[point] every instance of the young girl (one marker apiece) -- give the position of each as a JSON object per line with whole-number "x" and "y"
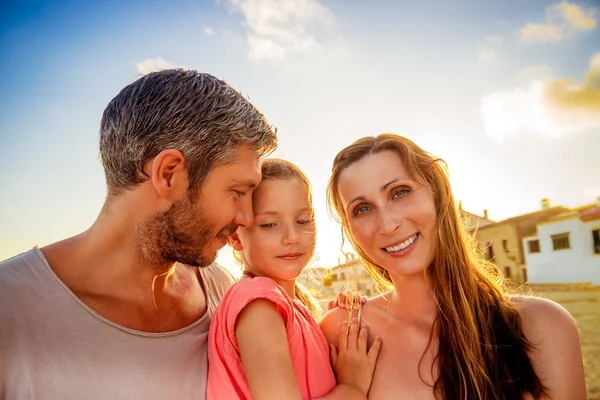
{"x": 264, "y": 342}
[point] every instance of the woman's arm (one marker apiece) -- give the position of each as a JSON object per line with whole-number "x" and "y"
{"x": 262, "y": 340}
{"x": 556, "y": 357}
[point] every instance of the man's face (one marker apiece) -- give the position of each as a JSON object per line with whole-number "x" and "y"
{"x": 193, "y": 230}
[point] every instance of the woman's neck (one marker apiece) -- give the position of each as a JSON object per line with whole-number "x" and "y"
{"x": 412, "y": 298}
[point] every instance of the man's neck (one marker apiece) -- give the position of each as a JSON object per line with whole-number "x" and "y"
{"x": 104, "y": 269}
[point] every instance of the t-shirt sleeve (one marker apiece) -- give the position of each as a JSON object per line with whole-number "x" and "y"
{"x": 248, "y": 290}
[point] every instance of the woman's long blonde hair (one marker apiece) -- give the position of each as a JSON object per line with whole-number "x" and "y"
{"x": 482, "y": 351}
{"x": 278, "y": 169}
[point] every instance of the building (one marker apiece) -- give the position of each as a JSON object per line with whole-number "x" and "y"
{"x": 328, "y": 282}
{"x": 502, "y": 242}
{"x": 566, "y": 247}
{"x": 312, "y": 277}
{"x": 472, "y": 222}
{"x": 351, "y": 275}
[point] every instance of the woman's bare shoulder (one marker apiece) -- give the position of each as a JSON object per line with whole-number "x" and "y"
{"x": 556, "y": 351}
{"x": 538, "y": 314}
{"x": 330, "y": 323}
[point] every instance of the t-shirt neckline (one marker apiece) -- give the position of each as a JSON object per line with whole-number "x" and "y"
{"x": 114, "y": 324}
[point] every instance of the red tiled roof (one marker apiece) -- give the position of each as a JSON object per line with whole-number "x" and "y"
{"x": 590, "y": 214}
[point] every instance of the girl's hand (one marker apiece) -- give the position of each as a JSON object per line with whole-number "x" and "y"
{"x": 352, "y": 362}
{"x": 347, "y": 300}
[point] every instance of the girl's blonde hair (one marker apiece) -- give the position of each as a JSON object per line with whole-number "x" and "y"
{"x": 278, "y": 169}
{"x": 482, "y": 351}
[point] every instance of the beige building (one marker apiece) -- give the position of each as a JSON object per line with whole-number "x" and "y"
{"x": 328, "y": 282}
{"x": 351, "y": 275}
{"x": 472, "y": 222}
{"x": 502, "y": 242}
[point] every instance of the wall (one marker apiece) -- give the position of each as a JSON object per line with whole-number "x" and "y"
{"x": 513, "y": 259}
{"x": 577, "y": 264}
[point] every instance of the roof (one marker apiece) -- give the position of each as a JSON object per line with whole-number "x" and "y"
{"x": 475, "y": 221}
{"x": 573, "y": 213}
{"x": 591, "y": 214}
{"x": 527, "y": 223}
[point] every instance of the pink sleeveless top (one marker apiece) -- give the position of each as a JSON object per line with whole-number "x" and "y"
{"x": 308, "y": 347}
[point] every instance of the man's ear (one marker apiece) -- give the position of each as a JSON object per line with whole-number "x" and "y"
{"x": 169, "y": 174}
{"x": 234, "y": 241}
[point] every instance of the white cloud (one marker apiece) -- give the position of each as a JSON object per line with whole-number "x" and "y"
{"x": 154, "y": 64}
{"x": 533, "y": 72}
{"x": 580, "y": 19}
{"x": 531, "y": 33}
{"x": 209, "y": 31}
{"x": 277, "y": 28}
{"x": 488, "y": 49}
{"x": 551, "y": 107}
{"x": 583, "y": 96}
{"x": 563, "y": 20}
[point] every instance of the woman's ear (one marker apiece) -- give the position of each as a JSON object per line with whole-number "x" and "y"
{"x": 234, "y": 241}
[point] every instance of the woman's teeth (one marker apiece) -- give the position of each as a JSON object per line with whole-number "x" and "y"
{"x": 403, "y": 245}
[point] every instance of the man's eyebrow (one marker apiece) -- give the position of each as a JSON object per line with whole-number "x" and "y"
{"x": 249, "y": 183}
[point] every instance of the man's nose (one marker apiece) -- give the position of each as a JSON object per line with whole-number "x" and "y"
{"x": 244, "y": 215}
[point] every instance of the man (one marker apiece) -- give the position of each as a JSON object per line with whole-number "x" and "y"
{"x": 122, "y": 310}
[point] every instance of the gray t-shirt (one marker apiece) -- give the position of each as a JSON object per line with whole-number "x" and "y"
{"x": 52, "y": 346}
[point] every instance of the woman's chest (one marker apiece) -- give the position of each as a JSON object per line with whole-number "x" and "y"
{"x": 405, "y": 368}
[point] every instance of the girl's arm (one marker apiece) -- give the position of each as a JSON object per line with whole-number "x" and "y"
{"x": 262, "y": 341}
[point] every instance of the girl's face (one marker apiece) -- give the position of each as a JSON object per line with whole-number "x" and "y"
{"x": 391, "y": 216}
{"x": 281, "y": 242}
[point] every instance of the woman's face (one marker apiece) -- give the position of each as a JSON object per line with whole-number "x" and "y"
{"x": 391, "y": 216}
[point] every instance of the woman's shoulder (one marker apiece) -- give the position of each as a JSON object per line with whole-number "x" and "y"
{"x": 555, "y": 348}
{"x": 549, "y": 328}
{"x": 330, "y": 323}
{"x": 538, "y": 314}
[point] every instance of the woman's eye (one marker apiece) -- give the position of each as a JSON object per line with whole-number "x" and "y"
{"x": 304, "y": 221}
{"x": 400, "y": 193}
{"x": 360, "y": 210}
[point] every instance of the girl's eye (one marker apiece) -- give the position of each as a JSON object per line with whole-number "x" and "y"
{"x": 238, "y": 193}
{"x": 360, "y": 209}
{"x": 399, "y": 193}
{"x": 304, "y": 221}
{"x": 268, "y": 225}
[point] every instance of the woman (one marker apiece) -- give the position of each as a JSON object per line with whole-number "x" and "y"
{"x": 450, "y": 328}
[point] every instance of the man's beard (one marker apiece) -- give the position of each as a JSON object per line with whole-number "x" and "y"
{"x": 177, "y": 235}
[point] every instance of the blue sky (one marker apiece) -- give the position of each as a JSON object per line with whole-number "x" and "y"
{"x": 498, "y": 89}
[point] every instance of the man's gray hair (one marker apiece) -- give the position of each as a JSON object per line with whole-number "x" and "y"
{"x": 189, "y": 111}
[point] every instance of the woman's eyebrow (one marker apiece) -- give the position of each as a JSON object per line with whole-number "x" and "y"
{"x": 383, "y": 188}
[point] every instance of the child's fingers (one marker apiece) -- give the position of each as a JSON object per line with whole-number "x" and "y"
{"x": 362, "y": 338}
{"x": 374, "y": 350}
{"x": 333, "y": 354}
{"x": 331, "y": 305}
{"x": 353, "y": 334}
{"x": 342, "y": 301}
{"x": 363, "y": 299}
{"x": 343, "y": 337}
